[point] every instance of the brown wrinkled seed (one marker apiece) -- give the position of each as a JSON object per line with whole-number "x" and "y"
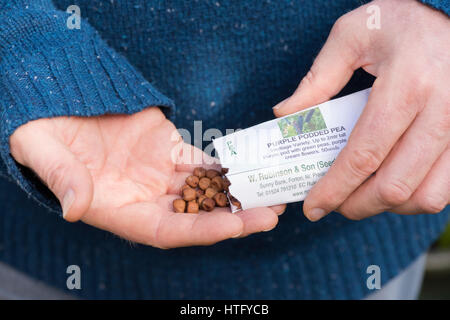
{"x": 184, "y": 187}
{"x": 220, "y": 199}
{"x": 210, "y": 192}
{"x": 205, "y": 190}
{"x": 200, "y": 172}
{"x": 201, "y": 199}
{"x": 189, "y": 194}
{"x": 200, "y": 192}
{"x": 192, "y": 207}
{"x": 217, "y": 183}
{"x": 204, "y": 183}
{"x": 211, "y": 173}
{"x": 192, "y": 181}
{"x": 226, "y": 183}
{"x": 208, "y": 204}
{"x": 179, "y": 205}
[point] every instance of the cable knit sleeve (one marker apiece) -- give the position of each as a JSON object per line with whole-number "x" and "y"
{"x": 48, "y": 69}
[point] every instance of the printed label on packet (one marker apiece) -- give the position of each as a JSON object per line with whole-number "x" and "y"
{"x": 278, "y": 161}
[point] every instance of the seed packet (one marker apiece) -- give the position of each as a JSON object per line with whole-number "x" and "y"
{"x": 278, "y": 161}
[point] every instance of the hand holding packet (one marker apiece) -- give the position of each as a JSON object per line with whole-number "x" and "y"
{"x": 278, "y": 161}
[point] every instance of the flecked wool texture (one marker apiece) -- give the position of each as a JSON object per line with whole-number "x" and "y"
{"x": 223, "y": 62}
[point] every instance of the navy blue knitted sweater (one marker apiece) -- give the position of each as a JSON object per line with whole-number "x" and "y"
{"x": 224, "y": 62}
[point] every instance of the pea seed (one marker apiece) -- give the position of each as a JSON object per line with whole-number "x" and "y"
{"x": 208, "y": 204}
{"x": 189, "y": 194}
{"x": 192, "y": 181}
{"x": 204, "y": 183}
{"x": 200, "y": 172}
{"x": 192, "y": 207}
{"x": 211, "y": 173}
{"x": 210, "y": 192}
{"x": 179, "y": 205}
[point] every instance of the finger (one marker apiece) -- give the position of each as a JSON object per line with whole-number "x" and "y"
{"x": 191, "y": 157}
{"x": 59, "y": 169}
{"x": 332, "y": 68}
{"x": 205, "y": 228}
{"x": 433, "y": 195}
{"x": 252, "y": 222}
{"x": 404, "y": 168}
{"x": 157, "y": 225}
{"x": 385, "y": 118}
{"x": 279, "y": 209}
{"x": 257, "y": 220}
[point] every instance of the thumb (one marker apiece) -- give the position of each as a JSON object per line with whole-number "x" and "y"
{"x": 331, "y": 70}
{"x": 66, "y": 176}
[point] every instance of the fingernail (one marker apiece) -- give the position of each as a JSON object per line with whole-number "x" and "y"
{"x": 268, "y": 230}
{"x": 67, "y": 202}
{"x": 238, "y": 235}
{"x": 316, "y": 214}
{"x": 278, "y": 106}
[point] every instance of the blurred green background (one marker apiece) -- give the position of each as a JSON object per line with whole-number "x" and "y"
{"x": 444, "y": 241}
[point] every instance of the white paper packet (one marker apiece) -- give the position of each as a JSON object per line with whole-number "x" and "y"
{"x": 278, "y": 161}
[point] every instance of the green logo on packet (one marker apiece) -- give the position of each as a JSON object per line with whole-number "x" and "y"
{"x": 231, "y": 148}
{"x": 304, "y": 122}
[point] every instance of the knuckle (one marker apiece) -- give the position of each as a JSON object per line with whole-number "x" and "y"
{"x": 364, "y": 162}
{"x": 342, "y": 24}
{"x": 323, "y": 197}
{"x": 409, "y": 105}
{"x": 394, "y": 193}
{"x": 311, "y": 80}
{"x": 441, "y": 127}
{"x": 351, "y": 214}
{"x": 329, "y": 199}
{"x": 432, "y": 203}
{"x": 421, "y": 78}
{"x": 54, "y": 174}
{"x": 310, "y": 77}
{"x": 420, "y": 84}
{"x": 349, "y": 42}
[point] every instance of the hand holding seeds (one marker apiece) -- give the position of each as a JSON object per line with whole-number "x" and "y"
{"x": 119, "y": 173}
{"x": 397, "y": 157}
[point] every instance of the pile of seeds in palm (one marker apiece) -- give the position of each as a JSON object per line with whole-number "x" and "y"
{"x": 205, "y": 190}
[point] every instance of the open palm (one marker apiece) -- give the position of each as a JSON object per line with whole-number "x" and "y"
{"x": 121, "y": 173}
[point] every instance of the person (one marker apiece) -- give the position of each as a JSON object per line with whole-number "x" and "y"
{"x": 87, "y": 132}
